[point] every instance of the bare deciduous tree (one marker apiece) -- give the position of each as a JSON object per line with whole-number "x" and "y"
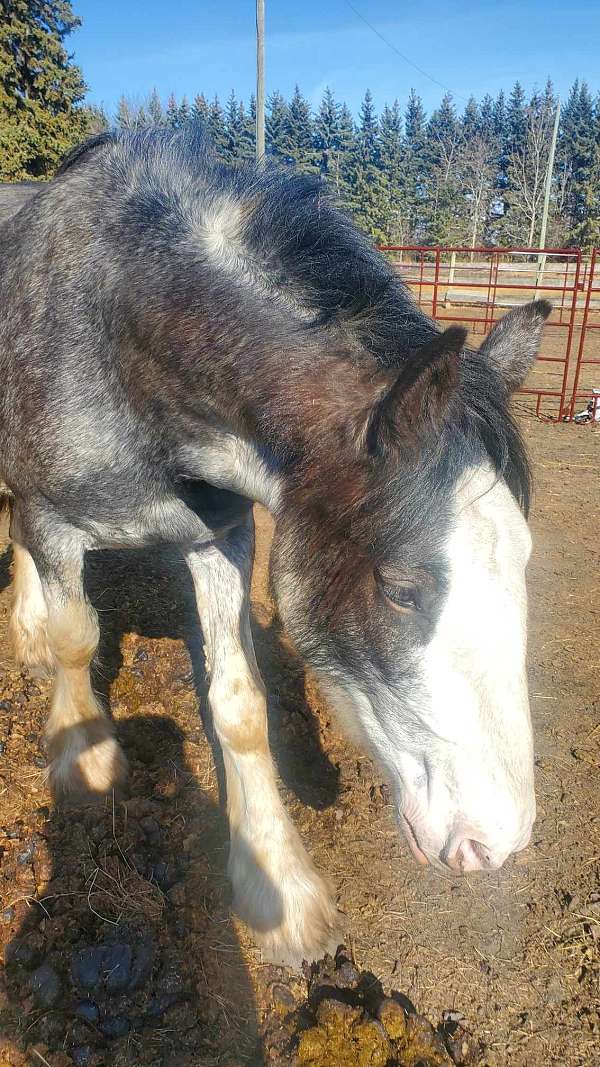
{"x": 527, "y": 170}
{"x": 475, "y": 170}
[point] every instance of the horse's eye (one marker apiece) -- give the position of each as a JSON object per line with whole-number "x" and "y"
{"x": 402, "y": 597}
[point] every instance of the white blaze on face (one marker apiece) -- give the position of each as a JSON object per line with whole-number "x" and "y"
{"x": 480, "y": 777}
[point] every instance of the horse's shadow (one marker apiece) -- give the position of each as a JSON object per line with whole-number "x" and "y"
{"x": 125, "y": 952}
{"x": 165, "y": 847}
{"x": 151, "y": 594}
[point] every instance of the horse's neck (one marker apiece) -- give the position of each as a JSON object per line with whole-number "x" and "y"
{"x": 302, "y": 433}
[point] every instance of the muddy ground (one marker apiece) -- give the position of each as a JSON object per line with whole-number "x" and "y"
{"x": 114, "y": 922}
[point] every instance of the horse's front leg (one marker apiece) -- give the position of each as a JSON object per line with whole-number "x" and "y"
{"x": 277, "y": 889}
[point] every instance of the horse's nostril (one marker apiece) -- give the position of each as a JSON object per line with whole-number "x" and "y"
{"x": 468, "y": 855}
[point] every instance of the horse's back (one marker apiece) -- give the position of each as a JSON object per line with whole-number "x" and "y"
{"x": 14, "y": 195}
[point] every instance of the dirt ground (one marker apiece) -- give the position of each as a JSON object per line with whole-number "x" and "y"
{"x": 114, "y": 921}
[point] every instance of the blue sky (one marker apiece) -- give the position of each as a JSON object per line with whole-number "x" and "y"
{"x": 469, "y": 46}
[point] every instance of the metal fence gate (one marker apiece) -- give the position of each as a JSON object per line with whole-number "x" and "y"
{"x": 475, "y": 286}
{"x": 586, "y": 383}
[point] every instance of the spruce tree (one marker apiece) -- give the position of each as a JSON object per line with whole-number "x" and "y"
{"x": 471, "y": 120}
{"x": 516, "y": 120}
{"x": 216, "y": 127}
{"x": 441, "y": 134}
{"x": 327, "y": 134}
{"x": 370, "y": 191}
{"x": 247, "y": 132}
{"x": 125, "y": 115}
{"x": 172, "y": 113}
{"x": 184, "y": 113}
{"x": 391, "y": 160}
{"x": 40, "y": 88}
{"x": 231, "y": 144}
{"x": 200, "y": 110}
{"x": 368, "y": 131}
{"x": 578, "y": 150}
{"x": 586, "y": 233}
{"x": 500, "y": 118}
{"x": 275, "y": 126}
{"x": 512, "y": 145}
{"x": 298, "y": 127}
{"x": 415, "y": 165}
{"x": 444, "y": 202}
{"x": 155, "y": 109}
{"x": 345, "y": 156}
{"x": 391, "y": 152}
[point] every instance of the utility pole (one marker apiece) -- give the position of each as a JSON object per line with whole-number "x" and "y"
{"x": 548, "y": 190}
{"x": 260, "y": 80}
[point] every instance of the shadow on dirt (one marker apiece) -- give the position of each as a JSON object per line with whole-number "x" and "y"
{"x": 120, "y": 948}
{"x": 129, "y": 956}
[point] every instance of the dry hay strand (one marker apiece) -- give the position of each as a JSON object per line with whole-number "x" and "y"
{"x": 116, "y": 890}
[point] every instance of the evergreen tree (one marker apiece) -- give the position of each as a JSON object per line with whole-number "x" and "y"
{"x": 172, "y": 113}
{"x": 368, "y": 130}
{"x": 415, "y": 182}
{"x": 578, "y": 148}
{"x": 370, "y": 196}
{"x": 487, "y": 116}
{"x": 444, "y": 201}
{"x": 414, "y": 122}
{"x": 549, "y": 96}
{"x": 247, "y": 131}
{"x": 587, "y": 232}
{"x": 391, "y": 160}
{"x": 125, "y": 115}
{"x": 516, "y": 120}
{"x": 131, "y": 115}
{"x": 512, "y": 144}
{"x": 391, "y": 153}
{"x": 345, "y": 156}
{"x": 40, "y": 88}
{"x": 275, "y": 126}
{"x": 298, "y": 134}
{"x": 232, "y": 141}
{"x": 183, "y": 112}
{"x": 500, "y": 118}
{"x": 216, "y": 127}
{"x": 442, "y": 134}
{"x": 200, "y": 110}
{"x": 471, "y": 120}
{"x": 327, "y": 134}
{"x": 155, "y": 109}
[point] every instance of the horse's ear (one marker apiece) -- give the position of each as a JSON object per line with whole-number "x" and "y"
{"x": 513, "y": 343}
{"x": 415, "y": 403}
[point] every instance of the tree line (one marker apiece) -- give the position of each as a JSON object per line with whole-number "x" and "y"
{"x": 471, "y": 176}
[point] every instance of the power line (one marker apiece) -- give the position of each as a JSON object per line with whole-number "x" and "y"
{"x": 404, "y": 58}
